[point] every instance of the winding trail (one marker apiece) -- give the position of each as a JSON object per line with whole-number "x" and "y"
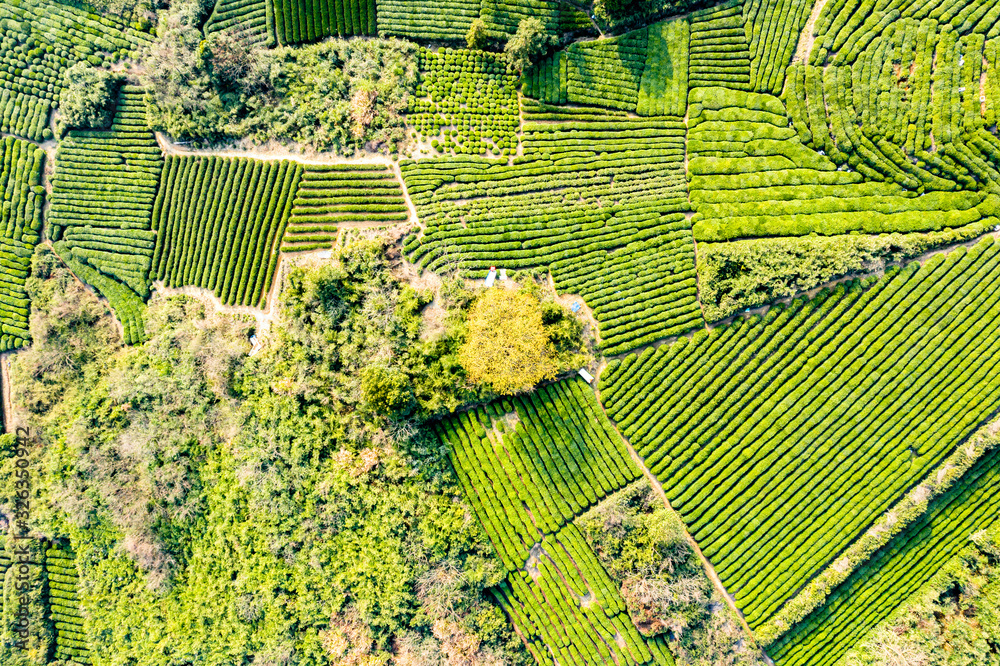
{"x": 264, "y": 316}
{"x": 806, "y": 38}
{"x": 275, "y": 152}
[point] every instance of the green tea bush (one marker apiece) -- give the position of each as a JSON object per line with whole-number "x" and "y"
{"x": 567, "y": 608}
{"x": 856, "y": 364}
{"x": 907, "y": 95}
{"x": 23, "y": 200}
{"x": 39, "y": 41}
{"x": 219, "y": 223}
{"x": 254, "y": 20}
{"x": 341, "y": 194}
{"x": 299, "y": 21}
{"x": 751, "y": 176}
{"x": 607, "y": 72}
{"x": 530, "y": 463}
{"x": 466, "y": 100}
{"x": 632, "y": 260}
{"x": 897, "y": 570}
{"x": 719, "y": 54}
{"x": 64, "y": 606}
{"x": 104, "y": 188}
{"x": 426, "y": 19}
{"x": 772, "y": 30}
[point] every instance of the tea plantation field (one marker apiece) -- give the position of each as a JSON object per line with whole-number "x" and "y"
{"x": 776, "y": 221}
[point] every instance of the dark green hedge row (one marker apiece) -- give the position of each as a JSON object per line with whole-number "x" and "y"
{"x": 22, "y": 197}
{"x": 846, "y": 27}
{"x": 348, "y": 194}
{"x": 773, "y": 29}
{"x": 901, "y": 364}
{"x": 552, "y": 452}
{"x": 218, "y": 223}
{"x": 664, "y": 85}
{"x": 23, "y": 115}
{"x": 545, "y": 607}
{"x": 546, "y": 81}
{"x": 298, "y": 21}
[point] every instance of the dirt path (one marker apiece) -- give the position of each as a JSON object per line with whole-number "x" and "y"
{"x": 278, "y": 152}
{"x": 658, "y": 487}
{"x": 806, "y": 38}
{"x": 262, "y": 317}
{"x": 268, "y": 152}
{"x": 6, "y": 135}
{"x": 413, "y": 219}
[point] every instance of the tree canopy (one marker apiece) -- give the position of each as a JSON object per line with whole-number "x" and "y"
{"x": 507, "y": 347}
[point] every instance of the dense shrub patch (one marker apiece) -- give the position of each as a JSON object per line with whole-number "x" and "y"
{"x": 219, "y": 223}
{"x": 466, "y": 102}
{"x": 102, "y": 205}
{"x": 329, "y": 197}
{"x": 867, "y": 389}
{"x": 753, "y": 272}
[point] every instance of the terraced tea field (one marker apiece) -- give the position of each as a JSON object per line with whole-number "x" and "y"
{"x": 772, "y": 223}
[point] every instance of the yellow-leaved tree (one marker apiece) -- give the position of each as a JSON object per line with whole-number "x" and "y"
{"x": 507, "y": 347}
